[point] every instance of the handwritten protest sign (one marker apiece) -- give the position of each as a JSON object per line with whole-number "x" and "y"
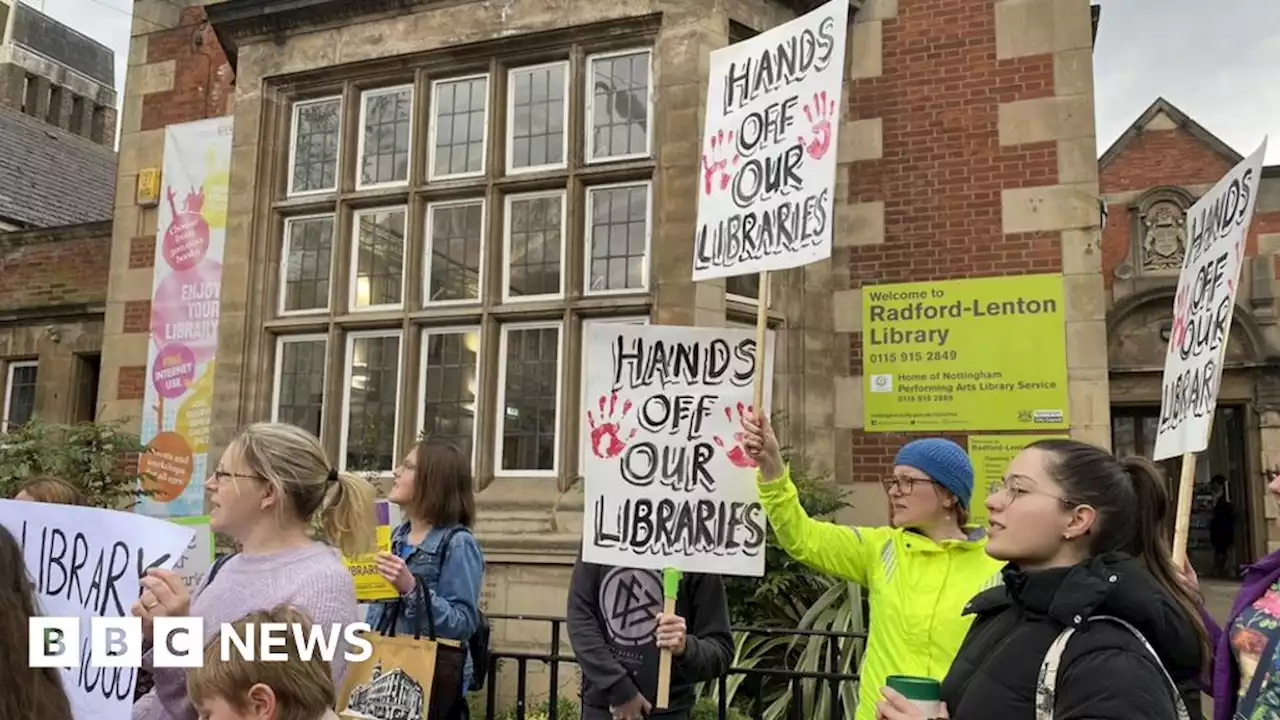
{"x": 86, "y": 562}
{"x": 769, "y": 148}
{"x": 195, "y": 563}
{"x": 1217, "y": 226}
{"x": 668, "y": 483}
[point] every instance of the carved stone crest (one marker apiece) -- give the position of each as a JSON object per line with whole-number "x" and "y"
{"x": 1164, "y": 236}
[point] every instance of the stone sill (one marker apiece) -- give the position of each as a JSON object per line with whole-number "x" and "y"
{"x": 530, "y": 548}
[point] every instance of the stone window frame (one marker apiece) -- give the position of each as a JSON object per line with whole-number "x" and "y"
{"x": 10, "y": 375}
{"x": 490, "y": 313}
{"x": 1139, "y": 209}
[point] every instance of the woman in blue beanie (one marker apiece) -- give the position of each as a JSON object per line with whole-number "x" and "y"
{"x": 920, "y": 572}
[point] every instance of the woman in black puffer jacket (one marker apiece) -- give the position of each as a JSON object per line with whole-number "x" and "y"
{"x": 1084, "y": 536}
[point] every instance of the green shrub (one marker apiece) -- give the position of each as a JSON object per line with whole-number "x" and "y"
{"x": 99, "y": 458}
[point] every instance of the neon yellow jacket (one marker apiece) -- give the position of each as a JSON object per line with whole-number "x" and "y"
{"x": 917, "y": 588}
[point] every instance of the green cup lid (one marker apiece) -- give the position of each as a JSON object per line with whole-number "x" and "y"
{"x": 916, "y": 688}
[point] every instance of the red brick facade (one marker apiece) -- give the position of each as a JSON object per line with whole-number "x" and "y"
{"x": 943, "y": 167}
{"x": 202, "y": 75}
{"x": 61, "y": 266}
{"x": 1154, "y": 158}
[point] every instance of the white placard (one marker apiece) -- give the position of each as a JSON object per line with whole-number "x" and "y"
{"x": 1216, "y": 229}
{"x": 766, "y": 189}
{"x": 198, "y": 559}
{"x": 86, "y": 562}
{"x": 668, "y": 483}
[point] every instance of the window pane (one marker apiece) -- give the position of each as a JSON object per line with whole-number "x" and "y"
{"x": 619, "y": 227}
{"x": 533, "y": 250}
{"x": 387, "y": 117}
{"x": 532, "y": 386}
{"x": 747, "y": 286}
{"x": 308, "y": 245}
{"x": 537, "y": 121}
{"x": 449, "y": 387}
{"x": 460, "y": 126}
{"x": 620, "y": 106}
{"x": 300, "y": 400}
{"x": 379, "y": 258}
{"x": 371, "y": 408}
{"x": 315, "y": 145}
{"x": 455, "y": 240}
{"x": 20, "y": 395}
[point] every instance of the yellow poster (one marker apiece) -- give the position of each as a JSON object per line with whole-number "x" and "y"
{"x": 991, "y": 455}
{"x": 370, "y": 585}
{"x": 972, "y": 354}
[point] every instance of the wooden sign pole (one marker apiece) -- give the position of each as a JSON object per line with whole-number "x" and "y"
{"x": 1186, "y": 493}
{"x": 762, "y": 329}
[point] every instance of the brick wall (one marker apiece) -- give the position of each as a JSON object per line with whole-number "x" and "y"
{"x": 202, "y": 75}
{"x": 61, "y": 266}
{"x": 944, "y": 168}
{"x": 1166, "y": 157}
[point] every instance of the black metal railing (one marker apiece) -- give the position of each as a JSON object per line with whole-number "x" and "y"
{"x": 756, "y": 679}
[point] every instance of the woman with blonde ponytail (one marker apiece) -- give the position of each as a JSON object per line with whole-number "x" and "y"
{"x": 293, "y": 515}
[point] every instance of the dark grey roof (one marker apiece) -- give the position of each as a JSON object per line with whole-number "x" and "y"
{"x": 50, "y": 177}
{"x": 64, "y": 44}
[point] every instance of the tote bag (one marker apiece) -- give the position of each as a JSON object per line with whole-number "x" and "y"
{"x": 406, "y": 677}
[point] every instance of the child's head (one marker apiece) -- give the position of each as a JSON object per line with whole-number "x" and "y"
{"x": 239, "y": 689}
{"x": 434, "y": 484}
{"x": 48, "y": 489}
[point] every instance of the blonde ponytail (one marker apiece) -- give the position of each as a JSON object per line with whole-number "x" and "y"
{"x": 346, "y": 518}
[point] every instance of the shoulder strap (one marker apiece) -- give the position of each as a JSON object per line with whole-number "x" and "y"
{"x": 217, "y": 565}
{"x": 444, "y": 544}
{"x": 1048, "y": 680}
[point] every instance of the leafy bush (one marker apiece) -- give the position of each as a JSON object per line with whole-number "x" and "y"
{"x": 566, "y": 709}
{"x": 99, "y": 458}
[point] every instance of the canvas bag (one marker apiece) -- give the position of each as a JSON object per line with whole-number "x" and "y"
{"x": 1048, "y": 682}
{"x": 406, "y": 676}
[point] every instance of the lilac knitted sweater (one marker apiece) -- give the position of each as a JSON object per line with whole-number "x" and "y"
{"x": 311, "y": 578}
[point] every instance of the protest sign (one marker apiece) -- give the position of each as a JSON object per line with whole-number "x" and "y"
{"x": 929, "y": 362}
{"x": 1217, "y": 227}
{"x": 767, "y": 187}
{"x": 668, "y": 483}
{"x": 86, "y": 562}
{"x": 195, "y": 563}
{"x": 370, "y": 585}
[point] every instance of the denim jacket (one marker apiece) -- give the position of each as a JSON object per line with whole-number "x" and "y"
{"x": 453, "y": 591}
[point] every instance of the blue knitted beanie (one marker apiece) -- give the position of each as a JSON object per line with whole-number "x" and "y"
{"x": 942, "y": 460}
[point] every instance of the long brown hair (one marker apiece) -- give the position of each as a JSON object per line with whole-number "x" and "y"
{"x": 1133, "y": 509}
{"x": 443, "y": 489}
{"x": 26, "y": 693}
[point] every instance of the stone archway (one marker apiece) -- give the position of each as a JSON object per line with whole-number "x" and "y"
{"x": 1135, "y": 325}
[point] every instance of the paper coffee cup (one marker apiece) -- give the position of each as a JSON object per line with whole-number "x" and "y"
{"x": 924, "y": 693}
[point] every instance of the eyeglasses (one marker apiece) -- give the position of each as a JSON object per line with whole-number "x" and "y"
{"x": 904, "y": 484}
{"x": 1015, "y": 486}
{"x": 220, "y": 476}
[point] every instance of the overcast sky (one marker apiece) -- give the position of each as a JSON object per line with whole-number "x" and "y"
{"x": 1215, "y": 59}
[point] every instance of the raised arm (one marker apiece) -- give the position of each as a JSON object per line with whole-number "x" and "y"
{"x": 846, "y": 552}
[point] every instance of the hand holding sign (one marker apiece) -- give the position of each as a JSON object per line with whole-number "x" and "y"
{"x": 762, "y": 444}
{"x": 164, "y": 594}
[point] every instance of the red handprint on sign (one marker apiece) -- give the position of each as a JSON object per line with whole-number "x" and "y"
{"x": 1181, "y": 308}
{"x": 819, "y": 116}
{"x": 606, "y": 438}
{"x": 736, "y": 454}
{"x": 720, "y": 158}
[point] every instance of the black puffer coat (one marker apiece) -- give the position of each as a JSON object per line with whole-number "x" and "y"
{"x": 1105, "y": 672}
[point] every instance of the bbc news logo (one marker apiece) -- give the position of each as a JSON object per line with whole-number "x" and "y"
{"x": 179, "y": 642}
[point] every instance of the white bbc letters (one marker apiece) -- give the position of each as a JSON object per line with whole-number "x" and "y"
{"x": 53, "y": 642}
{"x": 116, "y": 641}
{"x": 178, "y": 642}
